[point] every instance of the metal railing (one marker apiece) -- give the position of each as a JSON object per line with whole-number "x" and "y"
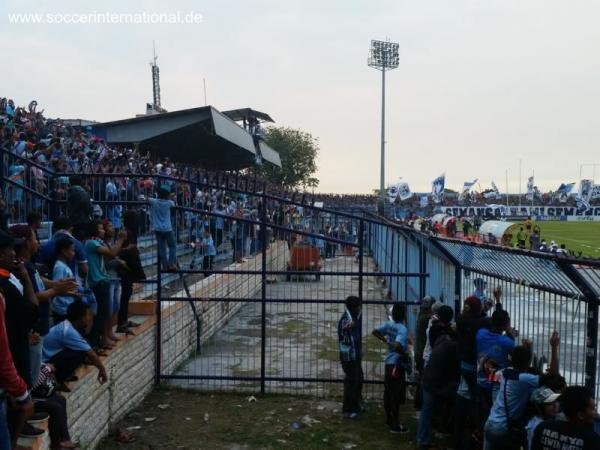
{"x": 261, "y": 324}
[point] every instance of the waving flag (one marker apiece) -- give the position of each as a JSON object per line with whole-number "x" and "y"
{"x": 424, "y": 201}
{"x": 404, "y": 191}
{"x": 467, "y": 186}
{"x": 399, "y": 190}
{"x": 584, "y": 195}
{"x": 392, "y": 193}
{"x": 563, "y": 191}
{"x": 595, "y": 192}
{"x": 530, "y": 189}
{"x": 437, "y": 188}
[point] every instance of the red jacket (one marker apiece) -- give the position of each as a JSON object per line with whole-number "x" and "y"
{"x": 10, "y": 381}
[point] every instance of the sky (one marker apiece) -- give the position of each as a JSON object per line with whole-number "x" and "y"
{"x": 481, "y": 85}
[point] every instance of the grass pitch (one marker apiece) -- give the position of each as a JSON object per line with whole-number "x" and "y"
{"x": 578, "y": 237}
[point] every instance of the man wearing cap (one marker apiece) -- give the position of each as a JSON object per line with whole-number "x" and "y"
{"x": 546, "y": 408}
{"x": 577, "y": 432}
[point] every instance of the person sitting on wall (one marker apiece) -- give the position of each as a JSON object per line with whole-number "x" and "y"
{"x": 66, "y": 349}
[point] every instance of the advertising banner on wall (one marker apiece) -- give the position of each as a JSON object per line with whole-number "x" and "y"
{"x": 540, "y": 212}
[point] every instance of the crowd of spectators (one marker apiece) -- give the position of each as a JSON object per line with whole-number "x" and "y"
{"x": 65, "y": 301}
{"x": 475, "y": 382}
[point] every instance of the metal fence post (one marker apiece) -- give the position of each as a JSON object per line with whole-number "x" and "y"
{"x": 361, "y": 232}
{"x": 390, "y": 280}
{"x": 158, "y": 312}
{"x": 591, "y": 345}
{"x": 422, "y": 269}
{"x": 591, "y": 341}
{"x": 263, "y": 312}
{"x": 457, "y": 289}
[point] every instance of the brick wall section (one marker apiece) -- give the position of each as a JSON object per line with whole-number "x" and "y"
{"x": 93, "y": 409}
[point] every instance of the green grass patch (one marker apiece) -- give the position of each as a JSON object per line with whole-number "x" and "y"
{"x": 578, "y": 237}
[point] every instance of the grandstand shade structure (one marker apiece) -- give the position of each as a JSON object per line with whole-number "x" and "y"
{"x": 202, "y": 136}
{"x": 247, "y": 114}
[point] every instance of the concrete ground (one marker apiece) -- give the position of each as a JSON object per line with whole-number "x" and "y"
{"x": 301, "y": 336}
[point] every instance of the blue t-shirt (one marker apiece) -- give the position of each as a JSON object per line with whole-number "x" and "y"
{"x": 160, "y": 214}
{"x": 519, "y": 387}
{"x": 62, "y": 336}
{"x": 394, "y": 333}
{"x": 97, "y": 271}
{"x": 492, "y": 347}
{"x": 47, "y": 255}
{"x": 208, "y": 246}
{"x": 219, "y": 221}
{"x": 60, "y": 303}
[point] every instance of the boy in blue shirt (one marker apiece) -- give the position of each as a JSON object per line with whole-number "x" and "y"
{"x": 65, "y": 252}
{"x": 208, "y": 250}
{"x": 350, "y": 341}
{"x": 394, "y": 334}
{"x": 65, "y": 347}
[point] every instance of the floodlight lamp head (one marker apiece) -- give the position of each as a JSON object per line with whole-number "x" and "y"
{"x": 383, "y": 55}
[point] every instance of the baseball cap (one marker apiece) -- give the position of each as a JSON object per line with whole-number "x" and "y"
{"x": 543, "y": 395}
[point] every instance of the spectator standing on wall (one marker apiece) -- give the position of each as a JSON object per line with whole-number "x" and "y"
{"x": 98, "y": 280}
{"x": 132, "y": 272}
{"x": 160, "y": 220}
{"x": 79, "y": 206}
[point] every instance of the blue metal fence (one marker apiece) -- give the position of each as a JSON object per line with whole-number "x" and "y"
{"x": 541, "y": 292}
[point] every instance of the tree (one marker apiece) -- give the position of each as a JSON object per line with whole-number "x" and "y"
{"x": 298, "y": 152}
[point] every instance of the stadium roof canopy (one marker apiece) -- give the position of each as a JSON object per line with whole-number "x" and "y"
{"x": 247, "y": 113}
{"x": 202, "y": 136}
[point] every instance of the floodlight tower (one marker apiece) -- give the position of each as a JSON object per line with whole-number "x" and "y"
{"x": 383, "y": 56}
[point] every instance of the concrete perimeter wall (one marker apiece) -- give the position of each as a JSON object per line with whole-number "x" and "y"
{"x": 93, "y": 408}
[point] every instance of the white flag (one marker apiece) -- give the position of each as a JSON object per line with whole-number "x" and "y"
{"x": 530, "y": 189}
